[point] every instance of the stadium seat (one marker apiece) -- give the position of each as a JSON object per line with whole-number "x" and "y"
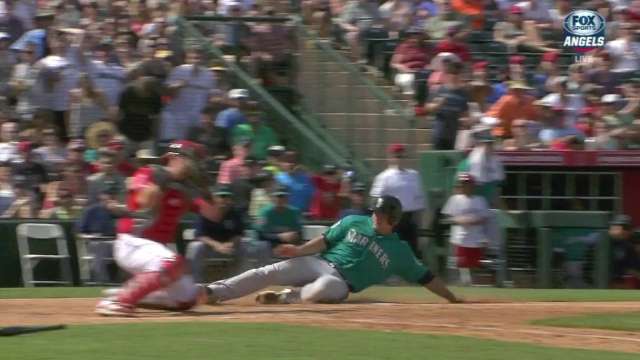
{"x": 85, "y": 258}
{"x": 27, "y": 235}
{"x": 312, "y": 231}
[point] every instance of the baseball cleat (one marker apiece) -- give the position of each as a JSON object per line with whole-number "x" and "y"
{"x": 110, "y": 307}
{"x": 111, "y": 292}
{"x": 273, "y": 297}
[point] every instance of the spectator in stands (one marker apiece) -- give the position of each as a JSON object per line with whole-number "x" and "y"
{"x": 410, "y": 60}
{"x": 260, "y": 195}
{"x": 11, "y": 22}
{"x": 243, "y": 186}
{"x": 604, "y": 137}
{"x": 274, "y": 157}
{"x": 406, "y": 185}
{"x": 24, "y": 205}
{"x": 22, "y": 80}
{"x": 517, "y": 103}
{"x": 208, "y": 134}
{"x": 35, "y": 174}
{"x": 53, "y": 153}
{"x": 317, "y": 13}
{"x": 572, "y": 104}
{"x": 473, "y": 9}
{"x": 357, "y": 19}
{"x": 66, "y": 206}
{"x": 448, "y": 105}
{"x": 298, "y": 182}
{"x": 272, "y": 47}
{"x": 479, "y": 88}
{"x": 56, "y": 77}
{"x": 88, "y": 105}
{"x": 99, "y": 219}
{"x": 536, "y": 10}
{"x": 261, "y": 135}
{"x": 235, "y": 168}
{"x": 555, "y": 128}
{"x": 357, "y": 202}
{"x": 611, "y": 111}
{"x": 9, "y": 144}
{"x": 601, "y": 73}
{"x": 625, "y": 260}
{"x": 233, "y": 115}
{"x": 396, "y": 15}
{"x": 468, "y": 213}
{"x": 454, "y": 43}
{"x": 39, "y": 34}
{"x": 99, "y": 135}
{"x": 140, "y": 105}
{"x": 7, "y": 194}
{"x": 519, "y": 35}
{"x": 107, "y": 175}
{"x": 7, "y": 62}
{"x": 437, "y": 26}
{"x": 189, "y": 86}
{"x": 546, "y": 74}
{"x": 625, "y": 52}
{"x": 522, "y": 136}
{"x": 280, "y": 223}
{"x": 216, "y": 238}
{"x": 106, "y": 73}
{"x": 325, "y": 204}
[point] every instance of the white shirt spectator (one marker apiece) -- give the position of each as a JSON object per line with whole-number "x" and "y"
{"x": 56, "y": 77}
{"x": 184, "y": 109}
{"x": 9, "y": 151}
{"x": 471, "y": 236}
{"x": 572, "y": 105}
{"x": 483, "y": 167}
{"x": 109, "y": 78}
{"x": 25, "y": 74}
{"x": 404, "y": 184}
{"x": 626, "y": 55}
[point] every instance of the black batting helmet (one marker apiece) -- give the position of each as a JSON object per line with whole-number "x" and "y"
{"x": 390, "y": 206}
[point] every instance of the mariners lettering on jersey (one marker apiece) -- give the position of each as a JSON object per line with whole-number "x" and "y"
{"x": 372, "y": 246}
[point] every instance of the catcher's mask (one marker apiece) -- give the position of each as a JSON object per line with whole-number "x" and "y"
{"x": 196, "y": 154}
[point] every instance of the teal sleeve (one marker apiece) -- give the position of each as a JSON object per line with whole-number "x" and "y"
{"x": 298, "y": 220}
{"x": 411, "y": 269}
{"x": 336, "y": 232}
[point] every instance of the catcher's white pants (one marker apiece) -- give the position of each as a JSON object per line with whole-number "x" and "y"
{"x": 137, "y": 255}
{"x": 317, "y": 279}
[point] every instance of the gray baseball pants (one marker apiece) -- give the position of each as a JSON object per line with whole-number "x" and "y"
{"x": 316, "y": 279}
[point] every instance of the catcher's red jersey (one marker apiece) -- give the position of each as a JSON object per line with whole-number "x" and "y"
{"x": 157, "y": 224}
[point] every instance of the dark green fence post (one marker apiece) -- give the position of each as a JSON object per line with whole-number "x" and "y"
{"x": 602, "y": 261}
{"x": 545, "y": 271}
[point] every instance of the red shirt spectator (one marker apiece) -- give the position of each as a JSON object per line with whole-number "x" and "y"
{"x": 411, "y": 54}
{"x": 325, "y": 204}
{"x": 452, "y": 44}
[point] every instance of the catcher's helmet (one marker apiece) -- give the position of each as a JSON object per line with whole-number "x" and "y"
{"x": 390, "y": 206}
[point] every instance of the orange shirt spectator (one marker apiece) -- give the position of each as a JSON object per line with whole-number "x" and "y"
{"x": 472, "y": 8}
{"x": 516, "y": 104}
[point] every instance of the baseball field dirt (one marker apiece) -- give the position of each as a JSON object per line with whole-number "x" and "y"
{"x": 487, "y": 319}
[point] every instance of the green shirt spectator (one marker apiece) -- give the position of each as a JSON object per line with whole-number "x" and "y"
{"x": 262, "y": 137}
{"x": 280, "y": 223}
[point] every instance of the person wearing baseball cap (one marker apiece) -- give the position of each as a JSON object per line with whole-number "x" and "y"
{"x": 297, "y": 179}
{"x": 280, "y": 223}
{"x": 405, "y": 185}
{"x": 235, "y": 113}
{"x": 625, "y": 257}
{"x": 325, "y": 204}
{"x": 357, "y": 201}
{"x": 468, "y": 213}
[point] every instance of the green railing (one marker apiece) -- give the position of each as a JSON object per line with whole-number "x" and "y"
{"x": 314, "y": 144}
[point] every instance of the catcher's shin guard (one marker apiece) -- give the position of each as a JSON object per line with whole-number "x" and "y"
{"x": 145, "y": 283}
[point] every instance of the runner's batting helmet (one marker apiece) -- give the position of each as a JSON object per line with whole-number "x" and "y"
{"x": 390, "y": 206}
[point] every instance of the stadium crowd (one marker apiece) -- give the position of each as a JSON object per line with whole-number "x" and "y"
{"x": 499, "y": 64}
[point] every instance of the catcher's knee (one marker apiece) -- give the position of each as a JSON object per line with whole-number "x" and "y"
{"x": 173, "y": 269}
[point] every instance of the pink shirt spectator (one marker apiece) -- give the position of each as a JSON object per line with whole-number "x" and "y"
{"x": 231, "y": 170}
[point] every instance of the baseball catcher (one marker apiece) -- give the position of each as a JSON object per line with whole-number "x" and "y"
{"x": 158, "y": 196}
{"x": 353, "y": 254}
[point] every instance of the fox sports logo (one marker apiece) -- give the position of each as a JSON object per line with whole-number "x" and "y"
{"x": 584, "y": 29}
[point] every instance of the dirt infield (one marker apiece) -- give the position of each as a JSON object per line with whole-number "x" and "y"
{"x": 495, "y": 320}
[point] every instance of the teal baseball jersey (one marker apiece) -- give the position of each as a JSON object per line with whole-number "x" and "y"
{"x": 365, "y": 258}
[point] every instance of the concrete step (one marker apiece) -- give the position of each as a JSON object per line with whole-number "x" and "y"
{"x": 379, "y": 150}
{"x": 341, "y": 105}
{"x": 363, "y": 120}
{"x": 386, "y": 135}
